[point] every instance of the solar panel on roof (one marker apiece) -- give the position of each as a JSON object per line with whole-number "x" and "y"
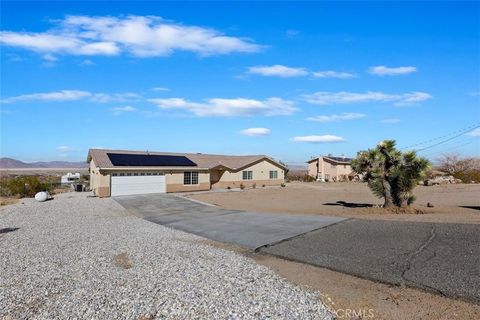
{"x": 149, "y": 160}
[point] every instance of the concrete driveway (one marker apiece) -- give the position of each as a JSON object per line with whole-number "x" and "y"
{"x": 247, "y": 229}
{"x": 439, "y": 257}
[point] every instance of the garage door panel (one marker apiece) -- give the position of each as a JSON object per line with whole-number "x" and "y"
{"x": 126, "y": 185}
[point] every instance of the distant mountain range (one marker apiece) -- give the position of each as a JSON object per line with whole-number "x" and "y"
{"x": 9, "y": 163}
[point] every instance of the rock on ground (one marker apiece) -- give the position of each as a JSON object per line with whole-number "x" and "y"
{"x": 82, "y": 257}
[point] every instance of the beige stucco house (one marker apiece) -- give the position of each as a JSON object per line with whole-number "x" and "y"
{"x": 328, "y": 168}
{"x": 122, "y": 172}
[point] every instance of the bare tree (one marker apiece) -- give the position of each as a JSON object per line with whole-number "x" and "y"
{"x": 454, "y": 164}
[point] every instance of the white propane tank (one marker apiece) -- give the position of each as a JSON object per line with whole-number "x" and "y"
{"x": 42, "y": 196}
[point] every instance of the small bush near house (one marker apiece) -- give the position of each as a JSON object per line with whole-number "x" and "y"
{"x": 25, "y": 186}
{"x": 254, "y": 186}
{"x": 299, "y": 175}
{"x": 242, "y": 186}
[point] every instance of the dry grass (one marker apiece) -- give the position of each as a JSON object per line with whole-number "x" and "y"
{"x": 122, "y": 260}
{"x": 4, "y": 201}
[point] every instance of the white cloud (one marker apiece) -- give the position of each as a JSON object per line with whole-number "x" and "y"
{"x": 119, "y": 110}
{"x": 63, "y": 148}
{"x": 160, "y": 89}
{"x": 56, "y": 43}
{"x": 255, "y": 132}
{"x": 278, "y": 71}
{"x": 344, "y": 97}
{"x": 389, "y": 71}
{"x": 333, "y": 74}
{"x": 281, "y": 71}
{"x": 49, "y": 57}
{"x": 390, "y": 120}
{"x": 474, "y": 133}
{"x": 292, "y": 33}
{"x": 408, "y": 99}
{"x": 337, "y": 117}
{"x": 71, "y": 95}
{"x": 141, "y": 36}
{"x": 328, "y": 138}
{"x": 62, "y": 95}
{"x": 229, "y": 107}
{"x": 114, "y": 97}
{"x": 87, "y": 62}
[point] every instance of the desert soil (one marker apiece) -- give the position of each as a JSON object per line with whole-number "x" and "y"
{"x": 453, "y": 203}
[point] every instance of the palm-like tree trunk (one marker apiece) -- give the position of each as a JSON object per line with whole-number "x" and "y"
{"x": 388, "y": 194}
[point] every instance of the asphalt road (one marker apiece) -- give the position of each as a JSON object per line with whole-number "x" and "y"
{"x": 247, "y": 229}
{"x": 439, "y": 257}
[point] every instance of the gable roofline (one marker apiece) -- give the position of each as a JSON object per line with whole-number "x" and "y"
{"x": 202, "y": 160}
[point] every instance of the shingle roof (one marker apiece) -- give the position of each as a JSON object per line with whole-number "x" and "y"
{"x": 207, "y": 161}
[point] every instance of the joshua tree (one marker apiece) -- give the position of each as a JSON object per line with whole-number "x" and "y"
{"x": 391, "y": 174}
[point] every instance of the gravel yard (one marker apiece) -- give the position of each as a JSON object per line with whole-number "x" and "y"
{"x": 81, "y": 257}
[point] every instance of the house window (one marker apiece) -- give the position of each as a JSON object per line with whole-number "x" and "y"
{"x": 142, "y": 174}
{"x": 135, "y": 173}
{"x": 129, "y": 174}
{"x": 121, "y": 174}
{"x": 190, "y": 177}
{"x": 247, "y": 175}
{"x": 274, "y": 174}
{"x": 114, "y": 174}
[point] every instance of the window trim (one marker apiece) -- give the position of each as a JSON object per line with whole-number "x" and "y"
{"x": 249, "y": 174}
{"x": 272, "y": 176}
{"x": 191, "y": 179}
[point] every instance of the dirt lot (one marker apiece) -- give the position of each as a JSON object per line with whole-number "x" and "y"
{"x": 453, "y": 203}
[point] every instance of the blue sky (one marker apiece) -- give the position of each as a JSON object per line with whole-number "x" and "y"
{"x": 290, "y": 80}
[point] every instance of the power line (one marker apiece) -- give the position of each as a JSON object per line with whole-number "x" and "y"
{"x": 442, "y": 142}
{"x": 460, "y": 131}
{"x": 468, "y": 141}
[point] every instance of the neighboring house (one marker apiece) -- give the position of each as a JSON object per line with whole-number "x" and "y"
{"x": 70, "y": 178}
{"x": 328, "y": 168}
{"x": 119, "y": 172}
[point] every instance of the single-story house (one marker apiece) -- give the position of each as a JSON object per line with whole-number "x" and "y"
{"x": 122, "y": 172}
{"x": 328, "y": 168}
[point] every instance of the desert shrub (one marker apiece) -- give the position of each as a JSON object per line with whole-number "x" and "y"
{"x": 242, "y": 186}
{"x": 299, "y": 175}
{"x": 468, "y": 176}
{"x": 25, "y": 186}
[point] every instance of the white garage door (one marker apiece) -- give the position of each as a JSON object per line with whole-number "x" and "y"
{"x": 126, "y": 185}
